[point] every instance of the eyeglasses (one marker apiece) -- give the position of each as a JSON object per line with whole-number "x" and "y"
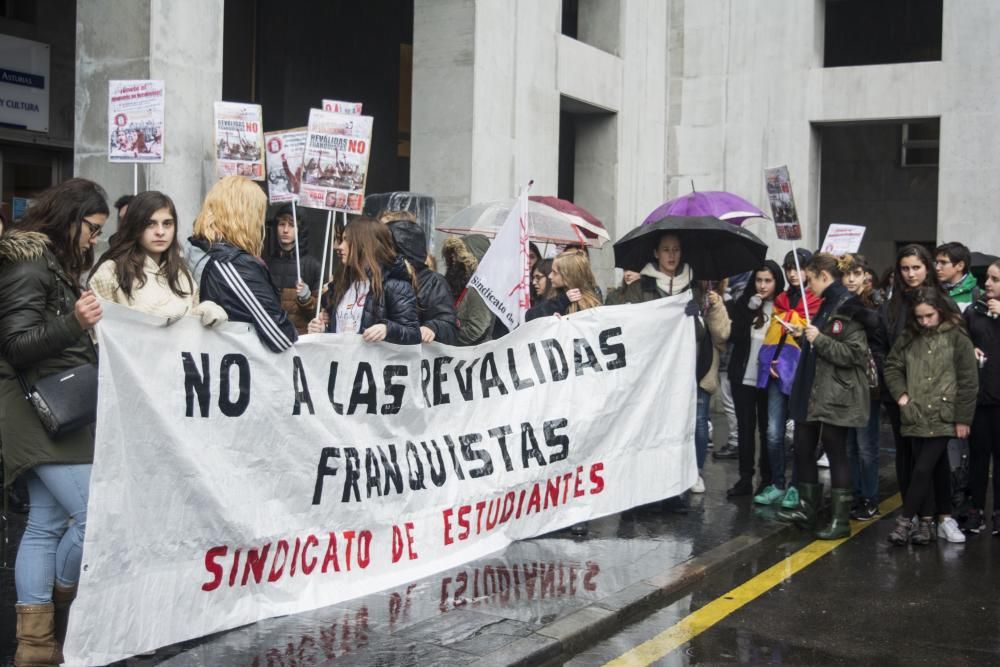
{"x": 95, "y": 229}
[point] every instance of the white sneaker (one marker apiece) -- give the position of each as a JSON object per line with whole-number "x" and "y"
{"x": 699, "y": 486}
{"x": 949, "y": 530}
{"x": 823, "y": 462}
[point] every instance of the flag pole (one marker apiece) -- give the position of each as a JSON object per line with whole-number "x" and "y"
{"x": 802, "y": 282}
{"x": 295, "y": 224}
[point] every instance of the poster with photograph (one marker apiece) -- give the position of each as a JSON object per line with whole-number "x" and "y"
{"x": 239, "y": 140}
{"x": 779, "y": 194}
{"x": 336, "y": 106}
{"x": 843, "y": 239}
{"x": 135, "y": 121}
{"x": 336, "y": 161}
{"x": 285, "y": 149}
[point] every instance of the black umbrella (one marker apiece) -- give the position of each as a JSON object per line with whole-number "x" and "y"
{"x": 712, "y": 248}
{"x": 980, "y": 260}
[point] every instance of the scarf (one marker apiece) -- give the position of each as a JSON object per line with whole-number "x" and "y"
{"x": 670, "y": 285}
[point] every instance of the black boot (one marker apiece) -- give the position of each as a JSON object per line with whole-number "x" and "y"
{"x": 744, "y": 487}
{"x": 804, "y": 516}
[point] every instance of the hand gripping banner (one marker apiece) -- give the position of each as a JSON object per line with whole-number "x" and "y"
{"x": 231, "y": 484}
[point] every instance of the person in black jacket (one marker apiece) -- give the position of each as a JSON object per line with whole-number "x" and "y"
{"x": 572, "y": 286}
{"x": 224, "y": 258}
{"x": 297, "y": 298}
{"x": 983, "y": 321}
{"x": 750, "y": 315}
{"x": 45, "y": 323}
{"x": 438, "y": 322}
{"x": 372, "y": 293}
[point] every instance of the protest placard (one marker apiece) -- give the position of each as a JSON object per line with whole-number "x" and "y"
{"x": 779, "y": 195}
{"x": 135, "y": 120}
{"x": 843, "y": 239}
{"x": 258, "y": 484}
{"x": 336, "y": 106}
{"x": 239, "y": 140}
{"x": 285, "y": 149}
{"x": 336, "y": 161}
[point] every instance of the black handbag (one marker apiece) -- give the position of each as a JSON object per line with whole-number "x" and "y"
{"x": 64, "y": 401}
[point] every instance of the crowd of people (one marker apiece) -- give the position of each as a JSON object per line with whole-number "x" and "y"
{"x": 816, "y": 349}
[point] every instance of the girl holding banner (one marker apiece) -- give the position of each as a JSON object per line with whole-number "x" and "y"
{"x": 144, "y": 269}
{"x": 372, "y": 293}
{"x": 224, "y": 257}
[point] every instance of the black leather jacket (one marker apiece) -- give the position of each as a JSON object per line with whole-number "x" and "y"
{"x": 241, "y": 284}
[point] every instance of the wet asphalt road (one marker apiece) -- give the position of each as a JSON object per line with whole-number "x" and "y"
{"x": 865, "y": 603}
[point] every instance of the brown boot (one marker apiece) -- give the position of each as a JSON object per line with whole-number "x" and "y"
{"x": 36, "y": 641}
{"x": 62, "y": 598}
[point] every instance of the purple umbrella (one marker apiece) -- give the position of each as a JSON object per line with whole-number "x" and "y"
{"x": 722, "y": 205}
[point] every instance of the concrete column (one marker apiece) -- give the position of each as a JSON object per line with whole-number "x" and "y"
{"x": 179, "y": 41}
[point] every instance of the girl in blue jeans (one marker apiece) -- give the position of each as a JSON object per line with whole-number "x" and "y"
{"x": 45, "y": 323}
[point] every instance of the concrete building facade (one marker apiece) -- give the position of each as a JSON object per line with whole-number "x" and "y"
{"x": 620, "y": 103}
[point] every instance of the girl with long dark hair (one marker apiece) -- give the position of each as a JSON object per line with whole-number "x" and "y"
{"x": 572, "y": 287}
{"x": 372, "y": 292}
{"x": 45, "y": 328}
{"x": 931, "y": 374}
{"x": 914, "y": 269}
{"x": 143, "y": 268}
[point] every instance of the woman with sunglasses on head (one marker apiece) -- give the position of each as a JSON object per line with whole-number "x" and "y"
{"x": 143, "y": 268}
{"x": 46, "y": 320}
{"x": 372, "y": 292}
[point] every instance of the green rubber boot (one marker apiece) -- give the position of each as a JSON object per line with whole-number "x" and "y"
{"x": 840, "y": 521}
{"x": 804, "y": 516}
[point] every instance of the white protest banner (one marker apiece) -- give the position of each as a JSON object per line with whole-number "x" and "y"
{"x": 503, "y": 277}
{"x": 239, "y": 140}
{"x": 779, "y": 195}
{"x": 843, "y": 239}
{"x": 24, "y": 83}
{"x": 285, "y": 150}
{"x": 135, "y": 121}
{"x": 336, "y": 106}
{"x": 231, "y": 484}
{"x": 336, "y": 161}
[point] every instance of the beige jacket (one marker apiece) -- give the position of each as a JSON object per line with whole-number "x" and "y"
{"x": 719, "y": 325}
{"x": 155, "y": 296}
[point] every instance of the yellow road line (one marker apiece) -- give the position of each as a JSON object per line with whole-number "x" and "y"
{"x": 697, "y": 622}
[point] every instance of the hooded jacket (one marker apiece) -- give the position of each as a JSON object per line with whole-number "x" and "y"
{"x": 241, "y": 284}
{"x": 936, "y": 368}
{"x": 284, "y": 274}
{"x": 397, "y": 309}
{"x": 39, "y": 336}
{"x": 475, "y": 319}
{"x": 743, "y": 319}
{"x": 964, "y": 292}
{"x": 436, "y": 307}
{"x": 831, "y": 382}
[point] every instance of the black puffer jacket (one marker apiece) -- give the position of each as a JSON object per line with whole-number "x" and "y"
{"x": 437, "y": 308}
{"x": 397, "y": 309}
{"x": 559, "y": 303}
{"x": 241, "y": 284}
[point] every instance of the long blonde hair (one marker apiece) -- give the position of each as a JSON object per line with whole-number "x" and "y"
{"x": 574, "y": 267}
{"x": 233, "y": 212}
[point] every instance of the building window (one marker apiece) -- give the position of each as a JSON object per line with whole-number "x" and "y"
{"x": 863, "y": 32}
{"x": 920, "y": 144}
{"x": 593, "y": 22}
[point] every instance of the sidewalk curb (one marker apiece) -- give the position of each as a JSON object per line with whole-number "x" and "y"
{"x": 600, "y": 619}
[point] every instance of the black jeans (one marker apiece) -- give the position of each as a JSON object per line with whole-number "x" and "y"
{"x": 984, "y": 443}
{"x": 906, "y": 459}
{"x": 808, "y": 436}
{"x": 920, "y": 496}
{"x": 751, "y": 421}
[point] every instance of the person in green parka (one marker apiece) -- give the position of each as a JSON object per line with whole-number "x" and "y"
{"x": 829, "y": 396}
{"x": 462, "y": 255}
{"x": 932, "y": 375}
{"x": 45, "y": 323}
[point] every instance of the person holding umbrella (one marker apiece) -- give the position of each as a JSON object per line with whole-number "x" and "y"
{"x": 668, "y": 275}
{"x": 829, "y": 396}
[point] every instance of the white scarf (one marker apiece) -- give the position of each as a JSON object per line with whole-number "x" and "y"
{"x": 669, "y": 284}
